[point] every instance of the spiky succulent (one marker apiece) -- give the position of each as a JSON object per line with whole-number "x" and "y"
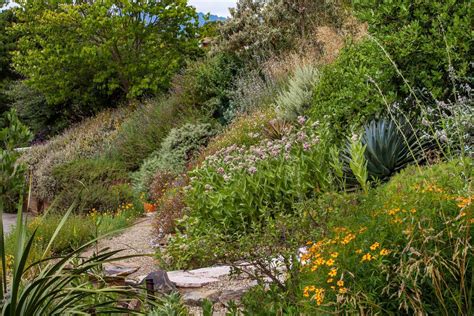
{"x": 389, "y": 147}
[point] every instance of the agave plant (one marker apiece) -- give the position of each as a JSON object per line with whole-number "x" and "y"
{"x": 55, "y": 285}
{"x": 389, "y": 147}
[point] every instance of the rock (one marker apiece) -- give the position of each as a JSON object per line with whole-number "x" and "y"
{"x": 196, "y": 297}
{"x": 118, "y": 271}
{"x": 161, "y": 282}
{"x": 198, "y": 278}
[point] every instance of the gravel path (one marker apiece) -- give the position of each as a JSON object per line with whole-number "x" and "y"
{"x": 135, "y": 240}
{"x": 9, "y": 220}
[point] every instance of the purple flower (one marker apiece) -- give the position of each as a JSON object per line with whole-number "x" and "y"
{"x": 301, "y": 120}
{"x": 221, "y": 170}
{"x": 306, "y": 146}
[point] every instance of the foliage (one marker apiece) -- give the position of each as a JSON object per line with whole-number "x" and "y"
{"x": 11, "y": 171}
{"x": 91, "y": 138}
{"x": 296, "y": 98}
{"x": 105, "y": 48}
{"x": 251, "y": 91}
{"x": 358, "y": 163}
{"x": 98, "y": 184}
{"x": 204, "y": 86}
{"x": 259, "y": 29}
{"x": 170, "y": 305}
{"x": 177, "y": 148}
{"x": 55, "y": 285}
{"x": 247, "y": 129}
{"x": 143, "y": 131}
{"x": 169, "y": 202}
{"x": 381, "y": 252}
{"x": 389, "y": 146}
{"x": 7, "y": 44}
{"x": 423, "y": 38}
{"x": 347, "y": 93}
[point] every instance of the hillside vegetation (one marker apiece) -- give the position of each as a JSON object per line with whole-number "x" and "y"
{"x": 328, "y": 144}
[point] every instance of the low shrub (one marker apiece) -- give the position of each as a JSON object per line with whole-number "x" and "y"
{"x": 170, "y": 204}
{"x": 142, "y": 133}
{"x": 239, "y": 190}
{"x": 91, "y": 138}
{"x": 99, "y": 183}
{"x": 347, "y": 93}
{"x": 204, "y": 86}
{"x": 250, "y": 91}
{"x": 177, "y": 148}
{"x": 402, "y": 247}
{"x": 296, "y": 98}
{"x": 246, "y": 130}
{"x": 426, "y": 40}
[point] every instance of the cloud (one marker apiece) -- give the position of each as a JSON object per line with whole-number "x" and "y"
{"x": 218, "y": 7}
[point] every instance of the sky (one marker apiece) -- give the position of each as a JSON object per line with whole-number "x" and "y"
{"x": 217, "y": 7}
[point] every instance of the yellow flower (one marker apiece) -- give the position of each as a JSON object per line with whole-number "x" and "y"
{"x": 342, "y": 290}
{"x": 330, "y": 262}
{"x": 340, "y": 283}
{"x": 384, "y": 252}
{"x": 367, "y": 257}
{"x": 358, "y": 251}
{"x": 334, "y": 254}
{"x": 330, "y": 280}
{"x": 374, "y": 246}
{"x": 333, "y": 272}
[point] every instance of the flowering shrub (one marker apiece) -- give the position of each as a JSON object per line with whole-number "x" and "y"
{"x": 399, "y": 250}
{"x": 86, "y": 140}
{"x": 403, "y": 247}
{"x": 239, "y": 187}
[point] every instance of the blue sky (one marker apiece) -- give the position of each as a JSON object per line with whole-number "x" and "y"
{"x": 217, "y": 7}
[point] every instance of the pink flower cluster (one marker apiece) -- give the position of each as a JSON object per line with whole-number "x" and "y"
{"x": 235, "y": 159}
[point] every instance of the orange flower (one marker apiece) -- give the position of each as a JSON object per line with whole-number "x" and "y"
{"x": 333, "y": 272}
{"x": 384, "y": 252}
{"x": 367, "y": 257}
{"x": 374, "y": 246}
{"x": 340, "y": 283}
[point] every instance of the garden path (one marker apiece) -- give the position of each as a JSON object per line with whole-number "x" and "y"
{"x": 134, "y": 240}
{"x": 9, "y": 220}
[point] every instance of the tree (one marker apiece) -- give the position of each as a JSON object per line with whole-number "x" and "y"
{"x": 78, "y": 51}
{"x": 7, "y": 45}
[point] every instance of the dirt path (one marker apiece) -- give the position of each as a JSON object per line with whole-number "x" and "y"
{"x": 135, "y": 240}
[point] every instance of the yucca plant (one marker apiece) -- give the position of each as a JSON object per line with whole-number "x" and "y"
{"x": 56, "y": 285}
{"x": 390, "y": 146}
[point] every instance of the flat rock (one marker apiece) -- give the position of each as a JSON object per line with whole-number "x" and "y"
{"x": 196, "y": 297}
{"x": 199, "y": 277}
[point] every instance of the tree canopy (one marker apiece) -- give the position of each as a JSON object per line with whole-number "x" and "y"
{"x": 77, "y": 51}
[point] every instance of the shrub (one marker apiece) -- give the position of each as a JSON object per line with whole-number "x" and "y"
{"x": 424, "y": 39}
{"x": 403, "y": 247}
{"x": 347, "y": 93}
{"x": 100, "y": 184}
{"x": 11, "y": 171}
{"x": 204, "y": 86}
{"x": 89, "y": 139}
{"x": 247, "y": 129}
{"x": 142, "y": 133}
{"x": 169, "y": 203}
{"x": 250, "y": 91}
{"x": 176, "y": 149}
{"x": 296, "y": 98}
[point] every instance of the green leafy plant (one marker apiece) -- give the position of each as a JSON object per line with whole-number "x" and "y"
{"x": 11, "y": 171}
{"x": 170, "y": 305}
{"x": 54, "y": 285}
{"x": 358, "y": 163}
{"x": 178, "y": 148}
